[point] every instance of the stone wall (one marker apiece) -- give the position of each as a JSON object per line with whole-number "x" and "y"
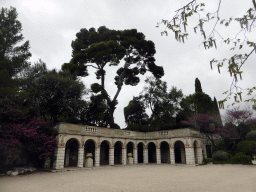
{"x": 98, "y": 135}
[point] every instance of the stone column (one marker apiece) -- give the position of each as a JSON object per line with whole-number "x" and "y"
{"x": 145, "y": 155}
{"x": 158, "y": 156}
{"x": 200, "y": 155}
{"x": 172, "y": 155}
{"x": 183, "y": 155}
{"x": 97, "y": 156}
{"x": 124, "y": 156}
{"x": 67, "y": 152}
{"x": 59, "y": 154}
{"x": 135, "y": 156}
{"x": 190, "y": 156}
{"x": 80, "y": 161}
{"x": 111, "y": 156}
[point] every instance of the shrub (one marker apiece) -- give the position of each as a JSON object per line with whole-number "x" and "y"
{"x": 116, "y": 126}
{"x": 220, "y": 156}
{"x": 247, "y": 147}
{"x": 23, "y": 139}
{"x": 251, "y": 136}
{"x": 241, "y": 158}
{"x": 220, "y": 146}
{"x": 206, "y": 161}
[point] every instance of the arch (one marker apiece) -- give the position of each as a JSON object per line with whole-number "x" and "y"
{"x": 151, "y": 152}
{"x": 89, "y": 147}
{"x": 140, "y": 156}
{"x": 179, "y": 150}
{"x": 71, "y": 153}
{"x": 104, "y": 152}
{"x": 130, "y": 145}
{"x": 165, "y": 152}
{"x": 73, "y": 138}
{"x": 118, "y": 152}
{"x": 196, "y": 145}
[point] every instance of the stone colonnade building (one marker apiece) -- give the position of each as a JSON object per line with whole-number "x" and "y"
{"x": 111, "y": 146}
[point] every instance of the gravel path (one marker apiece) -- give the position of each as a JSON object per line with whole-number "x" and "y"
{"x": 159, "y": 178}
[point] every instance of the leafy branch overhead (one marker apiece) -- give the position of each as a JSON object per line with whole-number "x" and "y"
{"x": 241, "y": 43}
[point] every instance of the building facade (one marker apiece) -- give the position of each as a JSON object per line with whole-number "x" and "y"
{"x": 112, "y": 146}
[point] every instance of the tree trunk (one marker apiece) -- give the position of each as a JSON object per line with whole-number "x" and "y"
{"x": 111, "y": 115}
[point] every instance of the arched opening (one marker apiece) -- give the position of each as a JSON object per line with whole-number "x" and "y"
{"x": 104, "y": 153}
{"x": 179, "y": 150}
{"x": 196, "y": 151}
{"x": 89, "y": 147}
{"x": 151, "y": 152}
{"x": 165, "y": 152}
{"x": 71, "y": 153}
{"x": 208, "y": 151}
{"x": 130, "y": 148}
{"x": 140, "y": 153}
{"x": 118, "y": 153}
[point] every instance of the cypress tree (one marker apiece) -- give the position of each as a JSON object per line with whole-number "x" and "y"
{"x": 198, "y": 87}
{"x": 216, "y": 113}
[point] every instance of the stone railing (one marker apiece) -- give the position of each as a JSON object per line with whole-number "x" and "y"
{"x": 65, "y": 128}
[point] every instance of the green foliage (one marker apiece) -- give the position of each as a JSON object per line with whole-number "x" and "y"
{"x": 103, "y": 47}
{"x": 220, "y": 146}
{"x": 7, "y": 84}
{"x": 96, "y": 88}
{"x": 216, "y": 114}
{"x": 220, "y": 156}
{"x": 164, "y": 105}
{"x": 137, "y": 127}
{"x": 206, "y": 161}
{"x": 247, "y": 147}
{"x": 198, "y": 103}
{"x": 116, "y": 126}
{"x": 165, "y": 122}
{"x": 55, "y": 95}
{"x": 135, "y": 112}
{"x": 198, "y": 88}
{"x": 241, "y": 158}
{"x": 251, "y": 136}
{"x": 13, "y": 54}
{"x": 95, "y": 113}
{"x": 242, "y": 129}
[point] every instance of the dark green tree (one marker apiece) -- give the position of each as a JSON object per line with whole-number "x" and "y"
{"x": 154, "y": 95}
{"x": 198, "y": 87}
{"x": 164, "y": 105}
{"x": 14, "y": 54}
{"x": 103, "y": 47}
{"x": 96, "y": 112}
{"x": 135, "y": 112}
{"x": 53, "y": 95}
{"x": 216, "y": 114}
{"x": 198, "y": 103}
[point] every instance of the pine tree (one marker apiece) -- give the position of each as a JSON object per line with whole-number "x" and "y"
{"x": 13, "y": 54}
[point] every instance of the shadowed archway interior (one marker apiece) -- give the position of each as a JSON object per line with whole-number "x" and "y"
{"x": 104, "y": 153}
{"x": 71, "y": 153}
{"x": 151, "y": 152}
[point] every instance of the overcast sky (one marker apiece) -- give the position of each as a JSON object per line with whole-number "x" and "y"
{"x": 51, "y": 25}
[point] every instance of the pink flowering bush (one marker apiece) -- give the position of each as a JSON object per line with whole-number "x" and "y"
{"x": 200, "y": 122}
{"x": 20, "y": 133}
